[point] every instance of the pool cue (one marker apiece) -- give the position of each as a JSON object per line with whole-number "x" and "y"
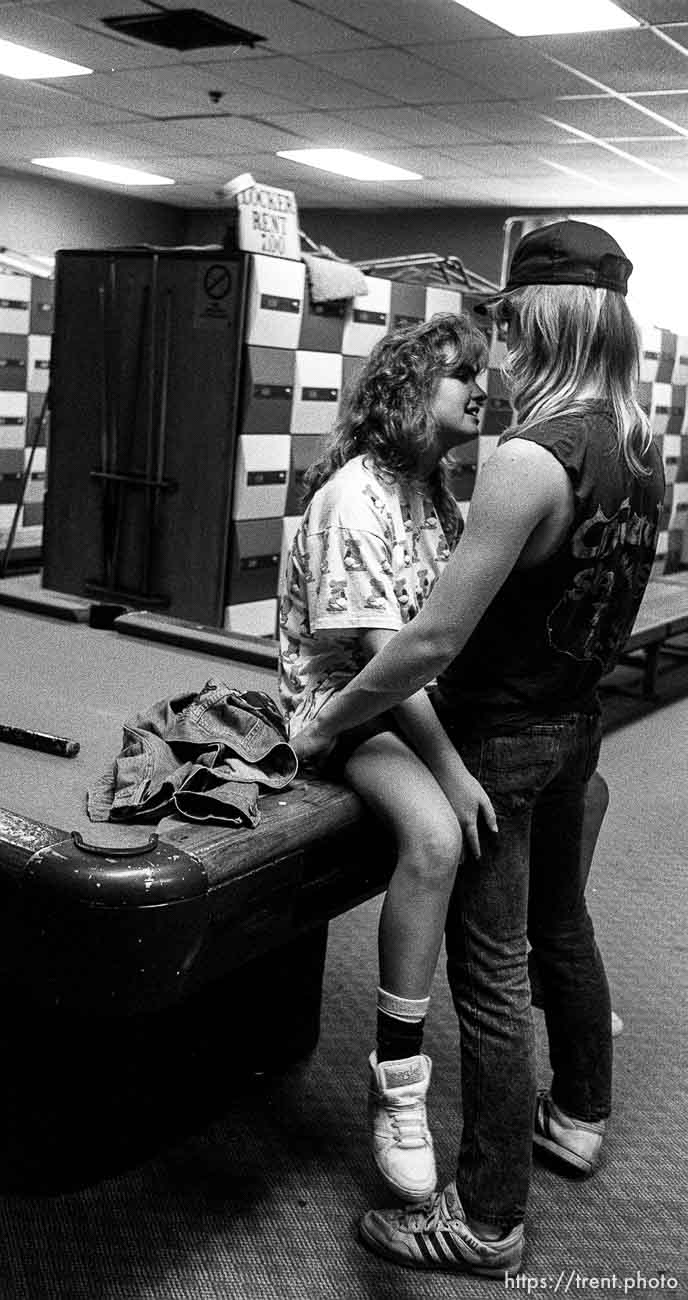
{"x": 59, "y": 745}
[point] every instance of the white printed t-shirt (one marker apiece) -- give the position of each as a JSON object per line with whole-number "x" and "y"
{"x": 367, "y": 554}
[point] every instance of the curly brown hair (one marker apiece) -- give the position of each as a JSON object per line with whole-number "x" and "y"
{"x": 385, "y": 411}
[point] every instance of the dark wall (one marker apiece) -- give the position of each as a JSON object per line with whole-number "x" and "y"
{"x": 40, "y": 215}
{"x": 476, "y": 235}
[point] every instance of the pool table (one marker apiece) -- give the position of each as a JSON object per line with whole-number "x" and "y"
{"x": 121, "y": 919}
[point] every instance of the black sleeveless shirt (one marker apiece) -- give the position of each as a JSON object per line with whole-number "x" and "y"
{"x": 552, "y": 631}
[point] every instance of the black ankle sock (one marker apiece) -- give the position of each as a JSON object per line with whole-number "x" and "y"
{"x": 397, "y": 1039}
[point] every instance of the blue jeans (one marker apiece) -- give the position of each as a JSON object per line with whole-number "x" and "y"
{"x": 528, "y": 885}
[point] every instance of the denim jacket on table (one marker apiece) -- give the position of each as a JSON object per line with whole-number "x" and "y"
{"x": 202, "y": 755}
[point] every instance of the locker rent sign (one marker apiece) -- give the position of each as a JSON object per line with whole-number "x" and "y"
{"x": 269, "y": 222}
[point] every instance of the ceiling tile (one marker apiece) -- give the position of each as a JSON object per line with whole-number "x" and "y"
{"x": 413, "y": 125}
{"x": 400, "y": 74}
{"x": 406, "y": 21}
{"x": 219, "y": 136}
{"x": 656, "y": 11}
{"x": 56, "y": 104}
{"x": 603, "y": 163}
{"x": 608, "y": 116}
{"x": 626, "y": 60}
{"x": 508, "y": 65}
{"x": 428, "y": 86}
{"x": 671, "y": 155}
{"x": 173, "y": 91}
{"x": 308, "y": 85}
{"x": 44, "y": 30}
{"x": 332, "y": 130}
{"x": 291, "y": 28}
{"x": 674, "y": 107}
{"x": 501, "y": 121}
{"x": 498, "y": 160}
{"x": 45, "y": 141}
{"x": 427, "y": 163}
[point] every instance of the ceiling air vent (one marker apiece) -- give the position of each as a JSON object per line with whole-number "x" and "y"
{"x": 182, "y": 29}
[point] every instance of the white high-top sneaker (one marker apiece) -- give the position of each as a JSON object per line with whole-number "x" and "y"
{"x": 402, "y": 1142}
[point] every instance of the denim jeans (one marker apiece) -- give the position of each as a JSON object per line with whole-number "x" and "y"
{"x": 528, "y": 885}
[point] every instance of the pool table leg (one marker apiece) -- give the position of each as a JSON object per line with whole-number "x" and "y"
{"x": 84, "y": 1095}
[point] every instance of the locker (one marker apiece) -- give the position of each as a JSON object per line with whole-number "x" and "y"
{"x": 657, "y": 355}
{"x": 367, "y": 318}
{"x": 678, "y": 506}
{"x": 35, "y": 406}
{"x": 351, "y": 368}
{"x": 275, "y": 302}
{"x": 660, "y": 408}
{"x": 644, "y": 397}
{"x": 15, "y": 303}
{"x": 39, "y": 460}
{"x": 11, "y": 461}
{"x": 12, "y": 419}
{"x": 255, "y": 556}
{"x": 317, "y": 390}
{"x": 679, "y": 373}
{"x": 407, "y": 305}
{"x": 667, "y": 357}
{"x": 462, "y": 481}
{"x": 10, "y": 487}
{"x": 497, "y": 414}
{"x": 464, "y": 455}
{"x": 13, "y": 362}
{"x": 145, "y": 393}
{"x": 322, "y": 325}
{"x": 290, "y": 525}
{"x": 304, "y": 451}
{"x": 677, "y": 411}
{"x": 35, "y": 488}
{"x": 255, "y": 618}
{"x": 261, "y": 475}
{"x": 268, "y": 390}
{"x": 33, "y": 514}
{"x": 42, "y": 296}
{"x": 439, "y": 299}
{"x": 38, "y": 363}
{"x": 497, "y": 352}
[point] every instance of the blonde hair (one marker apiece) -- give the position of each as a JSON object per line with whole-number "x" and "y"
{"x": 574, "y": 344}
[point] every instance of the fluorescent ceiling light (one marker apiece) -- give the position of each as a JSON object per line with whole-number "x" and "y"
{"x": 30, "y": 65}
{"x": 102, "y": 171}
{"x": 343, "y": 162}
{"x": 548, "y": 17}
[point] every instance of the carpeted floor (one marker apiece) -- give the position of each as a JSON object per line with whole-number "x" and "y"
{"x": 261, "y": 1202}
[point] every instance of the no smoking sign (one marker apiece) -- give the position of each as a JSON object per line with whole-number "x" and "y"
{"x": 215, "y": 297}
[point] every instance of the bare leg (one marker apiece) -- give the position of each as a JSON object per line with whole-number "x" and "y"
{"x": 400, "y": 791}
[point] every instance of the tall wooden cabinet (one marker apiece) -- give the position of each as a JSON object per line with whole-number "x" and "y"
{"x": 144, "y": 398}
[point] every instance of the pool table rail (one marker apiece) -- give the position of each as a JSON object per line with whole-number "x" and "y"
{"x": 140, "y": 932}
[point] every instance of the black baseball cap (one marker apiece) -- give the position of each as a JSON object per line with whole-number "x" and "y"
{"x": 565, "y": 252}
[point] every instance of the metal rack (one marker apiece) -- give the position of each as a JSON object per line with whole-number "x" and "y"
{"x": 429, "y": 268}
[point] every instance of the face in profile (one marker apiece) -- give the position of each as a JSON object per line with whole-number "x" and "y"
{"x": 455, "y": 407}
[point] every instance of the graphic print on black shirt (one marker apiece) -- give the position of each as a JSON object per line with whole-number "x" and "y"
{"x": 595, "y": 615}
